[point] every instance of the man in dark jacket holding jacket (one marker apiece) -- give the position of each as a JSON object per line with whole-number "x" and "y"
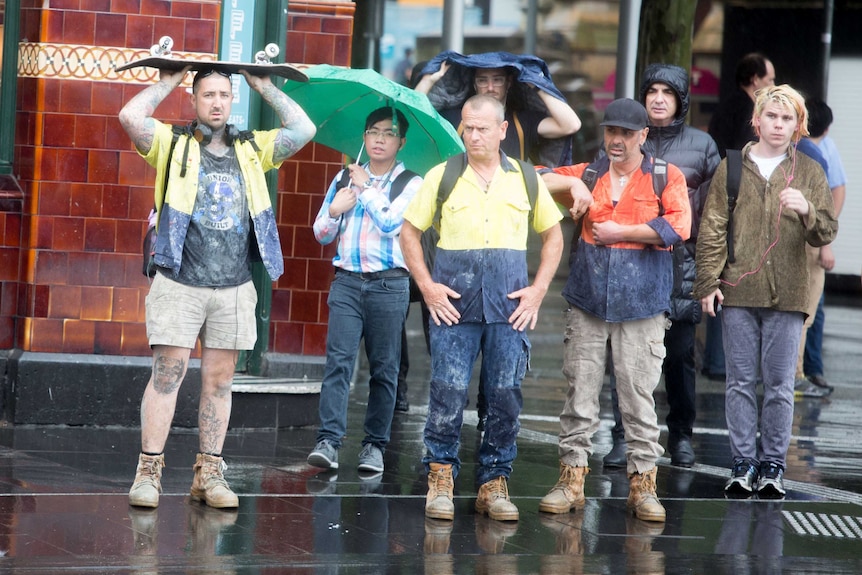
{"x": 664, "y": 94}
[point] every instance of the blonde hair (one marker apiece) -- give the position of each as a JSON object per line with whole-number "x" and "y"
{"x": 786, "y": 97}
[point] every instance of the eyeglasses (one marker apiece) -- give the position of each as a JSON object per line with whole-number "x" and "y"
{"x": 387, "y": 134}
{"x": 209, "y": 72}
{"x": 485, "y": 81}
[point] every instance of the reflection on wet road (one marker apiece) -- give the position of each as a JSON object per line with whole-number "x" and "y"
{"x": 63, "y": 504}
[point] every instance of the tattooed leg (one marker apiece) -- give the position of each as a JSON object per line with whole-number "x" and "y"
{"x": 217, "y": 368}
{"x": 160, "y": 397}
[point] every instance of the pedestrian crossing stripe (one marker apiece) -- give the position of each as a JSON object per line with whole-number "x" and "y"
{"x": 824, "y": 524}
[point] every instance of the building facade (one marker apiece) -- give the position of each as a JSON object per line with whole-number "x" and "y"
{"x": 75, "y": 196}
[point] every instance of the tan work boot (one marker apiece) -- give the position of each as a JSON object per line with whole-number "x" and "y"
{"x": 438, "y": 502}
{"x": 642, "y": 498}
{"x": 568, "y": 493}
{"x": 493, "y": 500}
{"x": 209, "y": 485}
{"x": 148, "y": 481}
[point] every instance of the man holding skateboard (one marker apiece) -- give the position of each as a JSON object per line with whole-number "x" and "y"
{"x": 214, "y": 216}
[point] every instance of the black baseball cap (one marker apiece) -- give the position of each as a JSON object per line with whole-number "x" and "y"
{"x": 626, "y": 113}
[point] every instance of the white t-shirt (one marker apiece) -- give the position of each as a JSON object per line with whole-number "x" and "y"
{"x": 767, "y": 165}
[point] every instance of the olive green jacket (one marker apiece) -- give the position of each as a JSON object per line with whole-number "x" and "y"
{"x": 766, "y": 275}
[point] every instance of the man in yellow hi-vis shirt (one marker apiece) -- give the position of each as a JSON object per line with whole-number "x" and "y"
{"x": 480, "y": 299}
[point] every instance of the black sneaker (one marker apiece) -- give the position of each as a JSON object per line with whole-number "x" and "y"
{"x": 743, "y": 478}
{"x": 771, "y": 483}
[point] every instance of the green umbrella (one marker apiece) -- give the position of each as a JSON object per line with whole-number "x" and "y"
{"x": 338, "y": 100}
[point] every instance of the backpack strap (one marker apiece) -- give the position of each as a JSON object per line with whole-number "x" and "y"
{"x": 520, "y": 131}
{"x": 734, "y": 176}
{"x": 176, "y": 132}
{"x": 247, "y": 136}
{"x": 455, "y": 167}
{"x": 344, "y": 180}
{"x": 659, "y": 181}
{"x": 531, "y": 182}
{"x": 399, "y": 183}
{"x": 590, "y": 177}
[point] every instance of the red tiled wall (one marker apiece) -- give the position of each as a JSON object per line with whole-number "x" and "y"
{"x": 87, "y": 192}
{"x": 319, "y": 33}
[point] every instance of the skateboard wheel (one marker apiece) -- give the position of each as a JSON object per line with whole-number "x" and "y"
{"x": 271, "y": 50}
{"x": 163, "y": 48}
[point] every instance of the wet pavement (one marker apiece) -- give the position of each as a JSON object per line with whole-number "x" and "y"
{"x": 63, "y": 504}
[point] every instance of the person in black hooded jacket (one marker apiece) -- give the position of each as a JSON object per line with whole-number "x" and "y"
{"x": 664, "y": 93}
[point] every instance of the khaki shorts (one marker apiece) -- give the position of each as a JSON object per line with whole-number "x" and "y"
{"x": 223, "y": 318}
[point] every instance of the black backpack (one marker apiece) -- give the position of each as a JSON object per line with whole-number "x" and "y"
{"x": 734, "y": 175}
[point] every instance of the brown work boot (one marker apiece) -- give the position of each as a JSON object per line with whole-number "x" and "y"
{"x": 438, "y": 502}
{"x": 148, "y": 481}
{"x": 209, "y": 485}
{"x": 493, "y": 500}
{"x": 568, "y": 493}
{"x": 642, "y": 498}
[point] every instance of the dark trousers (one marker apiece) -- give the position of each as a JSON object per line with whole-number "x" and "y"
{"x": 679, "y": 380}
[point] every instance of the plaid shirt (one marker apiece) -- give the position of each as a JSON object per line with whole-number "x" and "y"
{"x": 368, "y": 235}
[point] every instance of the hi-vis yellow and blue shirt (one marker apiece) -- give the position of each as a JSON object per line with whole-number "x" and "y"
{"x": 175, "y": 204}
{"x": 482, "y": 251}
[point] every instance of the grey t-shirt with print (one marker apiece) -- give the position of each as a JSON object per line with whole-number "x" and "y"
{"x": 216, "y": 248}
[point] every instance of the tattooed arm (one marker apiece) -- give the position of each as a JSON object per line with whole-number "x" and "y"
{"x": 136, "y": 116}
{"x": 296, "y": 128}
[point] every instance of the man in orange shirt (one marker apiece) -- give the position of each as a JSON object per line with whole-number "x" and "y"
{"x": 619, "y": 291}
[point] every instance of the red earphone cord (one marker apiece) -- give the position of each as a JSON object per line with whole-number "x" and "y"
{"x": 788, "y": 179}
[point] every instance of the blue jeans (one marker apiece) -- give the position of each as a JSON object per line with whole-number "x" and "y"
{"x": 373, "y": 310}
{"x": 813, "y": 362}
{"x": 505, "y": 357}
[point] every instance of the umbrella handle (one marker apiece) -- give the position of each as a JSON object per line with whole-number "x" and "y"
{"x": 362, "y": 147}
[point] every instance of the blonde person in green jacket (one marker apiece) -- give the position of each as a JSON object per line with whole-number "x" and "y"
{"x": 784, "y": 203}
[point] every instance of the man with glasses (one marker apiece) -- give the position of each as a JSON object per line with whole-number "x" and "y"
{"x": 214, "y": 215}
{"x": 524, "y": 126}
{"x": 362, "y": 212}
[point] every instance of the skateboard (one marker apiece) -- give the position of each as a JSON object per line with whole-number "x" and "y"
{"x": 160, "y": 57}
